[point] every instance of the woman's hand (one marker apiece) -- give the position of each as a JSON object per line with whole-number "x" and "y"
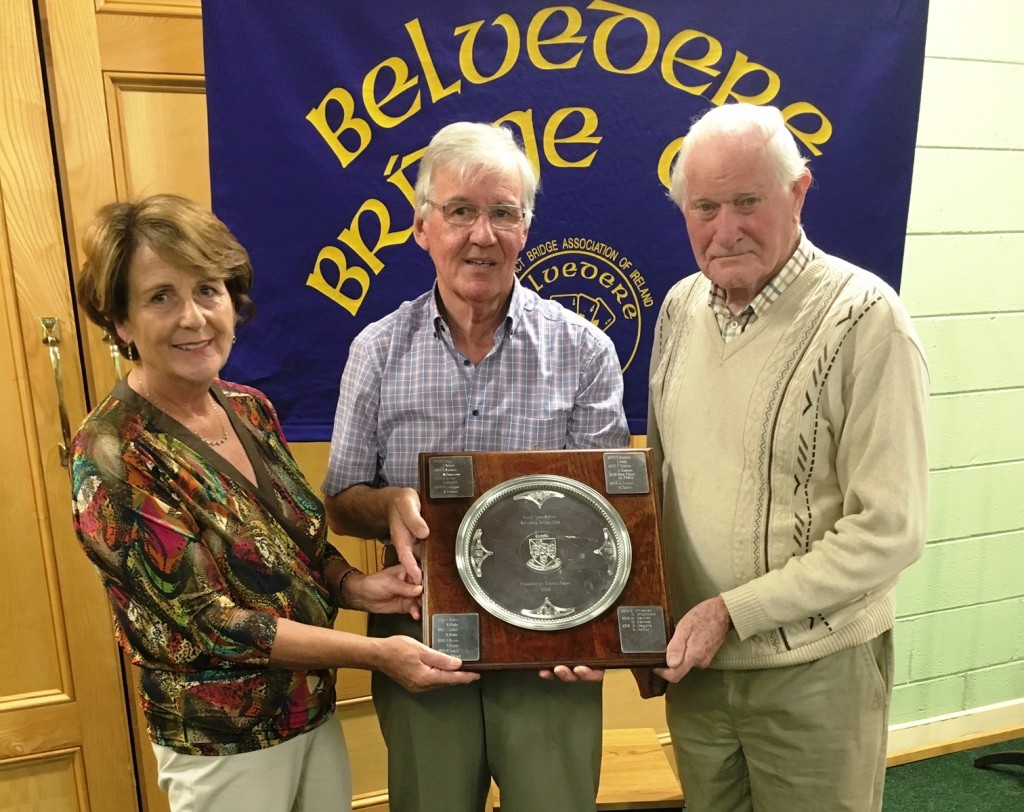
{"x": 417, "y": 668}
{"x": 386, "y": 592}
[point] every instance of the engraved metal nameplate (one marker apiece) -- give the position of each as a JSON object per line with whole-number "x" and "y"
{"x": 642, "y": 629}
{"x": 626, "y": 472}
{"x": 457, "y": 635}
{"x": 451, "y": 477}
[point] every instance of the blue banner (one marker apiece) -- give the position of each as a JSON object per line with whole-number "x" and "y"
{"x": 319, "y": 112}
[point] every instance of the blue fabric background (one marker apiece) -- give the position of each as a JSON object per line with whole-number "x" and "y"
{"x": 606, "y": 240}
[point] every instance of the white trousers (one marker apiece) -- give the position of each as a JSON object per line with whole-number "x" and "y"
{"x": 309, "y": 773}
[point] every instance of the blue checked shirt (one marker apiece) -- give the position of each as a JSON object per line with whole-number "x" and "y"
{"x": 552, "y": 380}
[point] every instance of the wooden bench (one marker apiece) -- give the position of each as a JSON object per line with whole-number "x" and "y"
{"x": 635, "y": 774}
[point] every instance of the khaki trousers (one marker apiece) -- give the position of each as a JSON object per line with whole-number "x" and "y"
{"x": 803, "y": 737}
{"x": 309, "y": 773}
{"x": 539, "y": 739}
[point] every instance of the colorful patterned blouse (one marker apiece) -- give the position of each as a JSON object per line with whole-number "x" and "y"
{"x": 198, "y": 563}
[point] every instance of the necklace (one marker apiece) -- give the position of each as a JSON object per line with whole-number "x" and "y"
{"x": 223, "y": 427}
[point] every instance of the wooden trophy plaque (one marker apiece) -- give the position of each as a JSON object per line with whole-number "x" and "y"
{"x": 543, "y": 558}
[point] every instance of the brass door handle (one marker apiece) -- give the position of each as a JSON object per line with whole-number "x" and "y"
{"x": 51, "y": 338}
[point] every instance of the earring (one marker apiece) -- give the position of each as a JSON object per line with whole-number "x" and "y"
{"x": 131, "y": 352}
{"x": 234, "y": 338}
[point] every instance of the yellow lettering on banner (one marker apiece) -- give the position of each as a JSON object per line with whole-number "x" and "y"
{"x": 466, "y": 47}
{"x": 399, "y": 179}
{"x": 810, "y": 140}
{"x": 604, "y": 32}
{"x": 668, "y": 155}
{"x": 688, "y": 56}
{"x": 584, "y": 135}
{"x": 568, "y": 36}
{"x": 434, "y": 84}
{"x": 703, "y": 64}
{"x": 318, "y": 118}
{"x": 523, "y": 119}
{"x": 402, "y": 83}
{"x": 741, "y": 67}
{"x": 353, "y": 236}
{"x": 357, "y": 276}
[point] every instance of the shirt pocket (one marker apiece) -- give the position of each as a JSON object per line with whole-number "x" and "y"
{"x": 546, "y": 433}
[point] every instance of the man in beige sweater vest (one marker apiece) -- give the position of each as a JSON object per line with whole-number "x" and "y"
{"x": 787, "y": 413}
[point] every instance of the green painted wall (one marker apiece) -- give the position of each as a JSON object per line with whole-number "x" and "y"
{"x": 960, "y": 632}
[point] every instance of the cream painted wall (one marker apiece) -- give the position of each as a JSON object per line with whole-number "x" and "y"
{"x": 960, "y": 632}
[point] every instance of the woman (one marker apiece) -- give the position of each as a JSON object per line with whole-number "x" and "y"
{"x": 211, "y": 544}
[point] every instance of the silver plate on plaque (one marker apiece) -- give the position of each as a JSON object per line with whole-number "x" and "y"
{"x": 543, "y": 552}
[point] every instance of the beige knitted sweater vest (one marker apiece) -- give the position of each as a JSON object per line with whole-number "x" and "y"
{"x": 791, "y": 462}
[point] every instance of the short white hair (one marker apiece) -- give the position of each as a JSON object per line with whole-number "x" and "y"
{"x": 468, "y": 148}
{"x": 741, "y": 121}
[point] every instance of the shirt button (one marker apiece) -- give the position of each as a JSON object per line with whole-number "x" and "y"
{"x": 734, "y": 324}
{"x": 476, "y": 413}
{"x": 465, "y": 362}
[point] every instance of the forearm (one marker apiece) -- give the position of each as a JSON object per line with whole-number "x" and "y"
{"x": 300, "y": 646}
{"x": 414, "y": 666}
{"x": 360, "y": 511}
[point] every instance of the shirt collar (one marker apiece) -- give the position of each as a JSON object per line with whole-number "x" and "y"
{"x": 516, "y": 307}
{"x": 804, "y": 254}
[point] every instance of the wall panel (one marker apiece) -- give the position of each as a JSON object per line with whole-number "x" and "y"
{"x": 976, "y": 501}
{"x": 961, "y": 572}
{"x": 982, "y": 30}
{"x": 969, "y": 105}
{"x": 957, "y": 191}
{"x": 976, "y": 428}
{"x": 971, "y": 353}
{"x": 963, "y": 273}
{"x": 968, "y": 688}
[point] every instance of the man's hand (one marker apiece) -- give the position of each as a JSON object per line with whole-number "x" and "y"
{"x": 386, "y": 592}
{"x": 417, "y": 668}
{"x": 407, "y": 530}
{"x": 579, "y": 673}
{"x": 696, "y": 640}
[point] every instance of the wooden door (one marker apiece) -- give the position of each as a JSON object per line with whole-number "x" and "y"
{"x": 64, "y": 736}
{"x": 129, "y": 117}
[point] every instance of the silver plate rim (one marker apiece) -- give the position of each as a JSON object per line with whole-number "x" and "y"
{"x": 613, "y": 521}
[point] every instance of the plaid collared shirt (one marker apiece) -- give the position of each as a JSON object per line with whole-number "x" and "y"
{"x": 552, "y": 380}
{"x": 734, "y": 325}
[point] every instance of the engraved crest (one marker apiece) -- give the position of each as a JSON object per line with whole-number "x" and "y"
{"x": 543, "y": 553}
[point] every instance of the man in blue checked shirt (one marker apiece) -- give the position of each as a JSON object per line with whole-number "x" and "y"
{"x": 478, "y": 363}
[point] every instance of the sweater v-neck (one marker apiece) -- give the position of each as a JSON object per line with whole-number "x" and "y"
{"x": 780, "y": 315}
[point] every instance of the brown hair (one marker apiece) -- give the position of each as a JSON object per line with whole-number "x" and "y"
{"x": 180, "y": 231}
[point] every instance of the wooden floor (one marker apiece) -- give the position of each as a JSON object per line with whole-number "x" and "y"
{"x": 635, "y": 774}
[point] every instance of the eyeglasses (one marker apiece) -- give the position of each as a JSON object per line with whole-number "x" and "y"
{"x": 502, "y": 216}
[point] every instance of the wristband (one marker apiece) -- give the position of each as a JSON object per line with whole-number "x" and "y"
{"x": 342, "y": 603}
